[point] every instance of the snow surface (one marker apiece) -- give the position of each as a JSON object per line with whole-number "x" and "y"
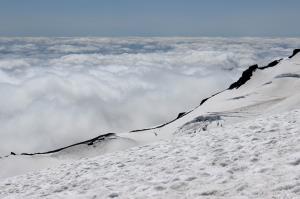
{"x": 258, "y": 158}
{"x": 240, "y": 143}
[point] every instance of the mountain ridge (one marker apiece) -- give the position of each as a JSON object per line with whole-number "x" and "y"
{"x": 245, "y": 77}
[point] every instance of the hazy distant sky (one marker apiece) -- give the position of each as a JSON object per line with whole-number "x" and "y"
{"x": 149, "y": 18}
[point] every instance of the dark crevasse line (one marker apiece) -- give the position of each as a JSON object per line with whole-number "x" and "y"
{"x": 246, "y": 76}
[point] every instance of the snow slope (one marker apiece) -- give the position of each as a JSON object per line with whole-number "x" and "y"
{"x": 270, "y": 90}
{"x": 218, "y": 149}
{"x": 259, "y": 158}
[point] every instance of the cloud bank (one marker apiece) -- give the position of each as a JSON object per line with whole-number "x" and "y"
{"x": 57, "y": 91}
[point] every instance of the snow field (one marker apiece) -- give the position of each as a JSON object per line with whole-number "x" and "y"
{"x": 258, "y": 158}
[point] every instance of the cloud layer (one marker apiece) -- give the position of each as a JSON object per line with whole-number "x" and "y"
{"x": 57, "y": 91}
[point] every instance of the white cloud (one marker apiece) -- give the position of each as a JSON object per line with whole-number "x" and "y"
{"x": 62, "y": 90}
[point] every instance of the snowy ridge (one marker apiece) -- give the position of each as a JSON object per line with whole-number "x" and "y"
{"x": 246, "y": 75}
{"x": 260, "y": 90}
{"x": 259, "y": 158}
{"x": 242, "y": 142}
{"x": 78, "y": 81}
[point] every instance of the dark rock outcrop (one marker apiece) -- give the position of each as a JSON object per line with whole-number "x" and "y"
{"x": 246, "y": 75}
{"x": 180, "y": 115}
{"x": 244, "y": 78}
{"x": 204, "y": 100}
{"x": 294, "y": 53}
{"x": 87, "y": 142}
{"x": 273, "y": 63}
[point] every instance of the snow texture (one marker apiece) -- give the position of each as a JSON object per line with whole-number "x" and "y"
{"x": 259, "y": 158}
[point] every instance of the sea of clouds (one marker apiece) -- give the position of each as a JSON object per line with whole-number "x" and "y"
{"x": 58, "y": 91}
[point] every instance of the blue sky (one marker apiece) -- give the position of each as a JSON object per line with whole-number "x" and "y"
{"x": 149, "y": 18}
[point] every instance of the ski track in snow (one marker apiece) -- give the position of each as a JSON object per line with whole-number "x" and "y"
{"x": 258, "y": 158}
